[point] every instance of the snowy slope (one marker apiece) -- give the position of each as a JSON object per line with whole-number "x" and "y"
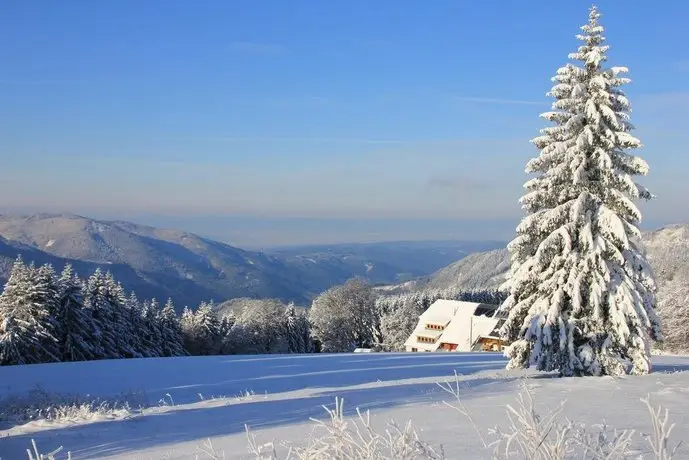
{"x": 481, "y": 270}
{"x": 290, "y": 389}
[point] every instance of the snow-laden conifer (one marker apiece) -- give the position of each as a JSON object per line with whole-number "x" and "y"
{"x": 28, "y": 329}
{"x": 201, "y": 330}
{"x": 581, "y": 292}
{"x": 133, "y": 318}
{"x": 106, "y": 299}
{"x": 187, "y": 322}
{"x": 126, "y": 340}
{"x": 293, "y": 339}
{"x": 173, "y": 340}
{"x": 151, "y": 329}
{"x": 77, "y": 330}
{"x": 96, "y": 299}
{"x": 297, "y": 331}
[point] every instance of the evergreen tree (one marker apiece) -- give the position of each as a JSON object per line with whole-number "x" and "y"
{"x": 581, "y": 295}
{"x": 173, "y": 339}
{"x": 105, "y": 299}
{"x": 77, "y": 330}
{"x": 126, "y": 341}
{"x": 303, "y": 328}
{"x": 45, "y": 298}
{"x": 187, "y": 322}
{"x": 28, "y": 328}
{"x": 152, "y": 338}
{"x": 225, "y": 345}
{"x": 133, "y": 317}
{"x": 201, "y": 330}
{"x": 294, "y": 340}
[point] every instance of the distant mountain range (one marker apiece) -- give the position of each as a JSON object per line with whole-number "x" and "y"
{"x": 165, "y": 263}
{"x": 667, "y": 250}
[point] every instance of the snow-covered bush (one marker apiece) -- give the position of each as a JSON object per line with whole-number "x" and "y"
{"x": 264, "y": 323}
{"x": 39, "y": 404}
{"x": 344, "y": 317}
{"x": 338, "y": 439}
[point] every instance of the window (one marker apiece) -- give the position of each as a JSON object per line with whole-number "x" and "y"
{"x": 424, "y": 339}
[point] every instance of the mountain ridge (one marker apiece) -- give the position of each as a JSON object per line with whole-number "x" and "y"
{"x": 158, "y": 262}
{"x": 667, "y": 250}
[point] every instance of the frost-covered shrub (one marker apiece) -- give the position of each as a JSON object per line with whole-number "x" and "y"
{"x": 529, "y": 435}
{"x": 39, "y": 404}
{"x": 344, "y": 317}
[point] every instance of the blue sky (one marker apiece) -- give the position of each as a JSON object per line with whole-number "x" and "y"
{"x": 275, "y": 122}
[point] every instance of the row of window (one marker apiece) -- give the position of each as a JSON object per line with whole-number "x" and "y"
{"x": 424, "y": 339}
{"x": 435, "y": 326}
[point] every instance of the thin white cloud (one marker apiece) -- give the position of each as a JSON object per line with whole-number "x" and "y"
{"x": 257, "y": 48}
{"x": 490, "y": 100}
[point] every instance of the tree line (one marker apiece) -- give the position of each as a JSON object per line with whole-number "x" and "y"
{"x": 45, "y": 317}
{"x": 50, "y": 317}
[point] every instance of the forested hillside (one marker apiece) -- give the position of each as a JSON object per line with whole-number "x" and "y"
{"x": 163, "y": 263}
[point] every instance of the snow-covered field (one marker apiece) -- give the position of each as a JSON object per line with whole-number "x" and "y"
{"x": 186, "y": 400}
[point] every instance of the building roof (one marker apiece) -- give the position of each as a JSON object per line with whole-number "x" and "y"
{"x": 430, "y": 333}
{"x": 463, "y": 327}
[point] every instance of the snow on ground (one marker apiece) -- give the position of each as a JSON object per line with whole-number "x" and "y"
{"x": 280, "y": 393}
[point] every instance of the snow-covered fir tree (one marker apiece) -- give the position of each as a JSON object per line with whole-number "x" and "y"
{"x": 96, "y": 300}
{"x": 297, "y": 331}
{"x": 173, "y": 340}
{"x": 293, "y": 339}
{"x": 45, "y": 298}
{"x": 581, "y": 292}
{"x": 77, "y": 330}
{"x": 126, "y": 340}
{"x": 152, "y": 332}
{"x": 133, "y": 317}
{"x": 187, "y": 322}
{"x": 28, "y": 329}
{"x": 202, "y": 330}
